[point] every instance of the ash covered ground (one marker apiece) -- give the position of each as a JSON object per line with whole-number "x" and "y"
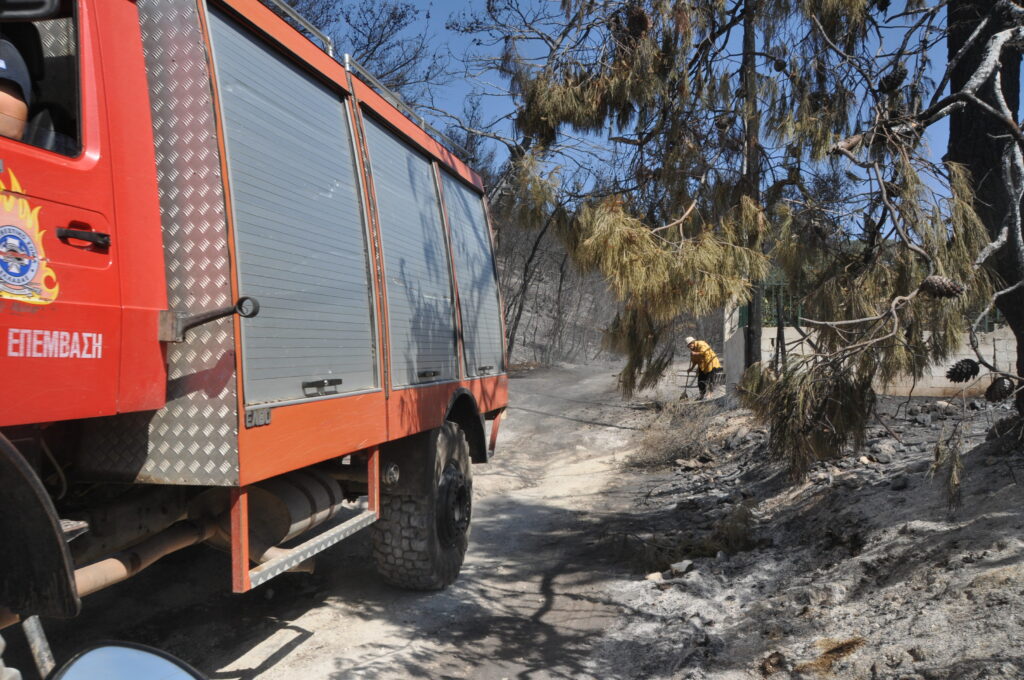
{"x": 867, "y": 568}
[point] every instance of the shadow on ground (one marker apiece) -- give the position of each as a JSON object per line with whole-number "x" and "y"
{"x": 528, "y": 604}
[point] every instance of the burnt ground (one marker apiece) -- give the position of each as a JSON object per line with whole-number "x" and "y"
{"x": 641, "y": 539}
{"x": 864, "y": 569}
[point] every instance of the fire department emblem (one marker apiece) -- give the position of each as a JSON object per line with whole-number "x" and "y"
{"x": 25, "y": 273}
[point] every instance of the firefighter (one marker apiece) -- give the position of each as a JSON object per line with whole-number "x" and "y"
{"x": 15, "y": 90}
{"x": 704, "y": 359}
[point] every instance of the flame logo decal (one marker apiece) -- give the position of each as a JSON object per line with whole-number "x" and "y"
{"x": 25, "y": 272}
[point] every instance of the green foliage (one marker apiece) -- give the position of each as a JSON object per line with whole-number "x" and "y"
{"x": 865, "y": 276}
{"x": 669, "y": 276}
{"x": 671, "y": 220}
{"x": 727, "y": 152}
{"x": 527, "y": 198}
{"x": 659, "y": 278}
{"x": 637, "y": 336}
{"x": 815, "y": 409}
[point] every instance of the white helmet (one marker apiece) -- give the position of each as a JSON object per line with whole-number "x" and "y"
{"x": 690, "y": 340}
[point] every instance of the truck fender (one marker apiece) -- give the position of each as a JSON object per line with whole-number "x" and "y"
{"x": 38, "y": 577}
{"x": 414, "y": 454}
{"x": 464, "y": 410}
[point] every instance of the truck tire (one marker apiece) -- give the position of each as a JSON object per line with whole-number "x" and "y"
{"x": 5, "y": 672}
{"x": 419, "y": 541}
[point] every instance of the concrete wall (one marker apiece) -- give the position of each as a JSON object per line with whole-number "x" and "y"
{"x": 722, "y": 331}
{"x": 733, "y": 347}
{"x": 999, "y": 347}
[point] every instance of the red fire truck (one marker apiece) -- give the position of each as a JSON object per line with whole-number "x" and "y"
{"x": 245, "y": 300}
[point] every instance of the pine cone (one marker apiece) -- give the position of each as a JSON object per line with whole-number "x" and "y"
{"x": 941, "y": 287}
{"x": 891, "y": 81}
{"x": 1001, "y": 388}
{"x": 963, "y": 370}
{"x": 638, "y": 22}
{"x": 1008, "y": 425}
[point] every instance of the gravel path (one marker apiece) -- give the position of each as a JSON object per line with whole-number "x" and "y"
{"x": 529, "y": 602}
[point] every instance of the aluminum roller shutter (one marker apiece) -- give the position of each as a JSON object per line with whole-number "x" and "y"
{"x": 421, "y": 311}
{"x": 299, "y": 234}
{"x": 474, "y": 270}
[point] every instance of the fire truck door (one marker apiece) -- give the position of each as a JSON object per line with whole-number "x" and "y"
{"x": 60, "y": 300}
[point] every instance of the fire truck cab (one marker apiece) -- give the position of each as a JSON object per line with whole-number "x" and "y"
{"x": 247, "y": 299}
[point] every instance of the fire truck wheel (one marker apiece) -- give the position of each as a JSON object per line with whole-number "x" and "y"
{"x": 420, "y": 541}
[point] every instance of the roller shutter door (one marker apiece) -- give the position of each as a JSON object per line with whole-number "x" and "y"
{"x": 299, "y": 234}
{"x": 420, "y": 306}
{"x": 474, "y": 271}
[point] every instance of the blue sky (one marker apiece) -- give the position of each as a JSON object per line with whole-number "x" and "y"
{"x": 451, "y": 98}
{"x": 457, "y": 92}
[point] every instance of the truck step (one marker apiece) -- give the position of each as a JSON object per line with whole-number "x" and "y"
{"x": 73, "y": 528}
{"x": 303, "y": 552}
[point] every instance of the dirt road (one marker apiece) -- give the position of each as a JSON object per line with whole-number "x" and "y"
{"x": 529, "y": 602}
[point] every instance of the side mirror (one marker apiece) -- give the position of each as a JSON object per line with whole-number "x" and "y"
{"x": 125, "y": 661}
{"x": 28, "y": 10}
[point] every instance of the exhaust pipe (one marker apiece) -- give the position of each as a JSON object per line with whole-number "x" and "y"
{"x": 129, "y": 562}
{"x": 280, "y": 509}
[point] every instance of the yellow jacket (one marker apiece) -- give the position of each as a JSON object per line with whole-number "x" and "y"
{"x": 703, "y": 357}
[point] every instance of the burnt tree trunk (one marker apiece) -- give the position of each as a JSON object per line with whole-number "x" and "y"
{"x": 750, "y": 182}
{"x": 518, "y": 300}
{"x": 979, "y": 142}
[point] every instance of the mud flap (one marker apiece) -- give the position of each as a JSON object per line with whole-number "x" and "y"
{"x": 37, "y": 573}
{"x": 414, "y": 457}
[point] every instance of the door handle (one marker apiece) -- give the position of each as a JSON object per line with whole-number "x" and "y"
{"x": 321, "y": 388}
{"x": 98, "y": 239}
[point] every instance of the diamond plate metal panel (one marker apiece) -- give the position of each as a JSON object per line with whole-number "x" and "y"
{"x": 317, "y": 544}
{"x": 194, "y": 439}
{"x": 57, "y": 37}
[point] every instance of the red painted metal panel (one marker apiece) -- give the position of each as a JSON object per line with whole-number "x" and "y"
{"x": 417, "y": 409}
{"x": 143, "y": 372}
{"x": 495, "y": 424}
{"x": 60, "y": 332}
{"x": 240, "y": 540}
{"x": 490, "y": 393}
{"x": 308, "y": 433}
{"x": 373, "y": 480}
{"x": 304, "y": 434}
